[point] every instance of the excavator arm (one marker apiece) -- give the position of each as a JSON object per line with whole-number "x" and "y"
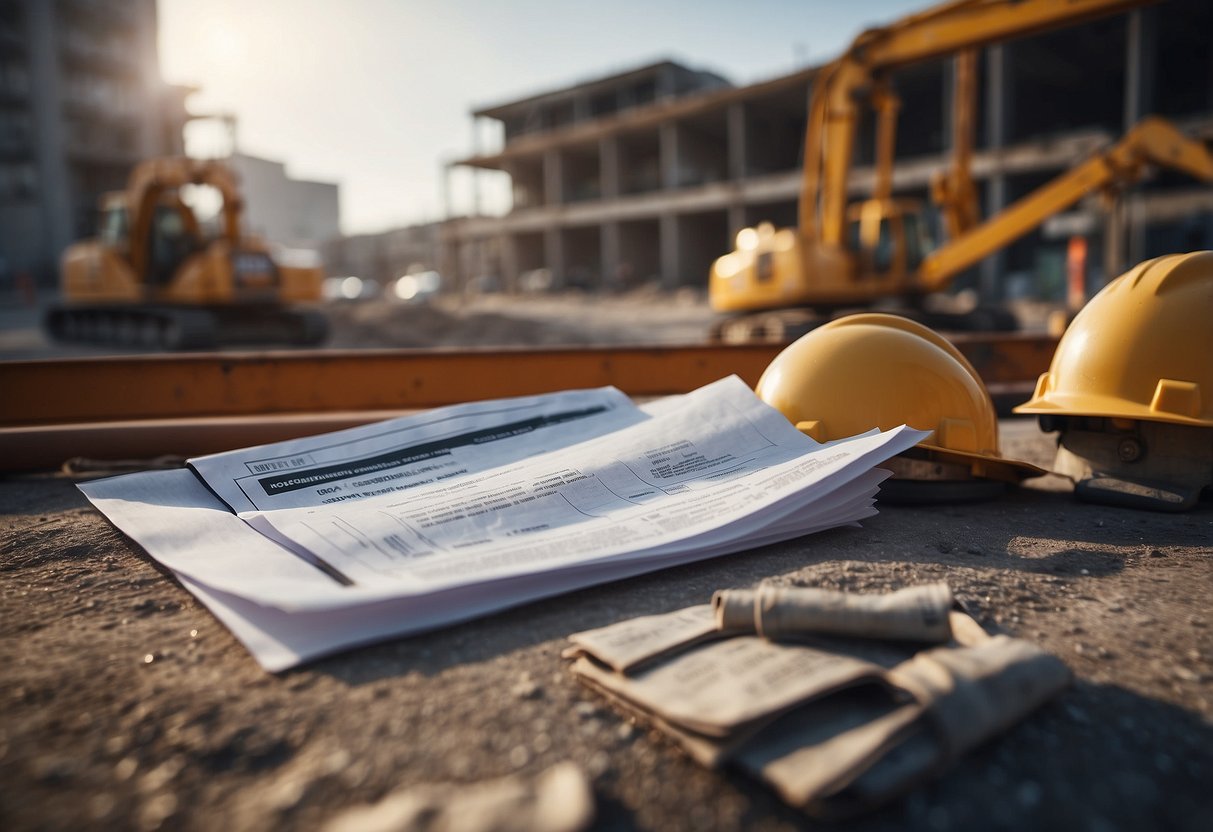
{"x": 1154, "y": 141}
{"x": 152, "y": 178}
{"x": 846, "y": 83}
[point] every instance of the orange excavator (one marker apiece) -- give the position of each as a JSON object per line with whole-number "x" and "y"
{"x": 847, "y": 255}
{"x": 153, "y": 278}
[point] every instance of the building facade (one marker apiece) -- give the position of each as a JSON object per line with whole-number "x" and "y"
{"x": 613, "y": 189}
{"x": 292, "y": 212}
{"x": 81, "y": 102}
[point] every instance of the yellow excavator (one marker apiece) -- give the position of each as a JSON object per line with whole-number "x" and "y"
{"x": 153, "y": 278}
{"x": 855, "y": 254}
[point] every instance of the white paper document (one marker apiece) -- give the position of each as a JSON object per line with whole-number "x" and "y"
{"x": 410, "y": 524}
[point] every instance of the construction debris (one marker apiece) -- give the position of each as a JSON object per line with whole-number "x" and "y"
{"x": 834, "y": 725}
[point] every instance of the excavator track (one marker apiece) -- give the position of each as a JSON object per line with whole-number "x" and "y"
{"x": 169, "y": 328}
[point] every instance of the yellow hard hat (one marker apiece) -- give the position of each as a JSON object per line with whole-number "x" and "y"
{"x": 1140, "y": 349}
{"x": 1130, "y": 388}
{"x": 880, "y": 371}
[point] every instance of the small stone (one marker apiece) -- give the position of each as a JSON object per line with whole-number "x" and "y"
{"x": 125, "y": 769}
{"x": 156, "y": 811}
{"x": 519, "y": 756}
{"x": 591, "y": 727}
{"x": 526, "y": 688}
{"x": 599, "y": 764}
{"x": 1157, "y": 553}
{"x": 975, "y": 550}
{"x": 101, "y": 806}
{"x": 585, "y": 710}
{"x": 626, "y": 731}
{"x": 1185, "y": 674}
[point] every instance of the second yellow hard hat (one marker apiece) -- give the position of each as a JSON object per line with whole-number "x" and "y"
{"x": 879, "y": 371}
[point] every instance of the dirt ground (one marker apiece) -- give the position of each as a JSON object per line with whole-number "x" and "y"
{"x": 640, "y": 317}
{"x": 125, "y": 705}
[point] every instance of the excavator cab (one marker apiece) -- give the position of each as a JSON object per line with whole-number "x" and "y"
{"x": 889, "y": 237}
{"x": 173, "y": 237}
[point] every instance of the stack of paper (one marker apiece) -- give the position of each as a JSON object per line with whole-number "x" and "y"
{"x": 309, "y": 546}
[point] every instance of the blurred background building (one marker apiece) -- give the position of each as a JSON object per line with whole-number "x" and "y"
{"x": 81, "y": 102}
{"x": 381, "y": 259}
{"x": 647, "y": 175}
{"x": 293, "y": 212}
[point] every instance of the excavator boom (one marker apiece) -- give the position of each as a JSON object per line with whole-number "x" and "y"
{"x": 1153, "y": 141}
{"x": 943, "y": 30}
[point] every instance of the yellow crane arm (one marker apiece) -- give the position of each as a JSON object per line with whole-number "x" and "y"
{"x": 1153, "y": 141}
{"x": 942, "y": 30}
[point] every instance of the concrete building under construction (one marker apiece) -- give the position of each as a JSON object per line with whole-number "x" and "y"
{"x": 646, "y": 176}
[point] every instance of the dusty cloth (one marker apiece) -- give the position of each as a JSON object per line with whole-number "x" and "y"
{"x": 835, "y": 725}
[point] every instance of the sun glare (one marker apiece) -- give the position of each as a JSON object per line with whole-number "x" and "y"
{"x": 223, "y": 44}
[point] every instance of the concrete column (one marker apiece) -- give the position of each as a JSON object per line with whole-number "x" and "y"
{"x": 1115, "y": 226}
{"x": 671, "y": 251}
{"x": 508, "y": 248}
{"x": 446, "y": 191}
{"x": 609, "y": 245}
{"x": 553, "y": 178}
{"x": 553, "y": 255}
{"x": 736, "y": 220}
{"x": 608, "y": 167}
{"x": 997, "y": 116}
{"x": 669, "y": 155}
{"x": 152, "y": 138}
{"x": 737, "y": 141}
{"x": 1140, "y": 47}
{"x": 50, "y": 147}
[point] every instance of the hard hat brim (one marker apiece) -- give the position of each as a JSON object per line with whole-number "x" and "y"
{"x": 1060, "y": 404}
{"x": 987, "y": 465}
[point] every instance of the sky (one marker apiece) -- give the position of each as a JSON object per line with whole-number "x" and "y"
{"x": 376, "y": 95}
